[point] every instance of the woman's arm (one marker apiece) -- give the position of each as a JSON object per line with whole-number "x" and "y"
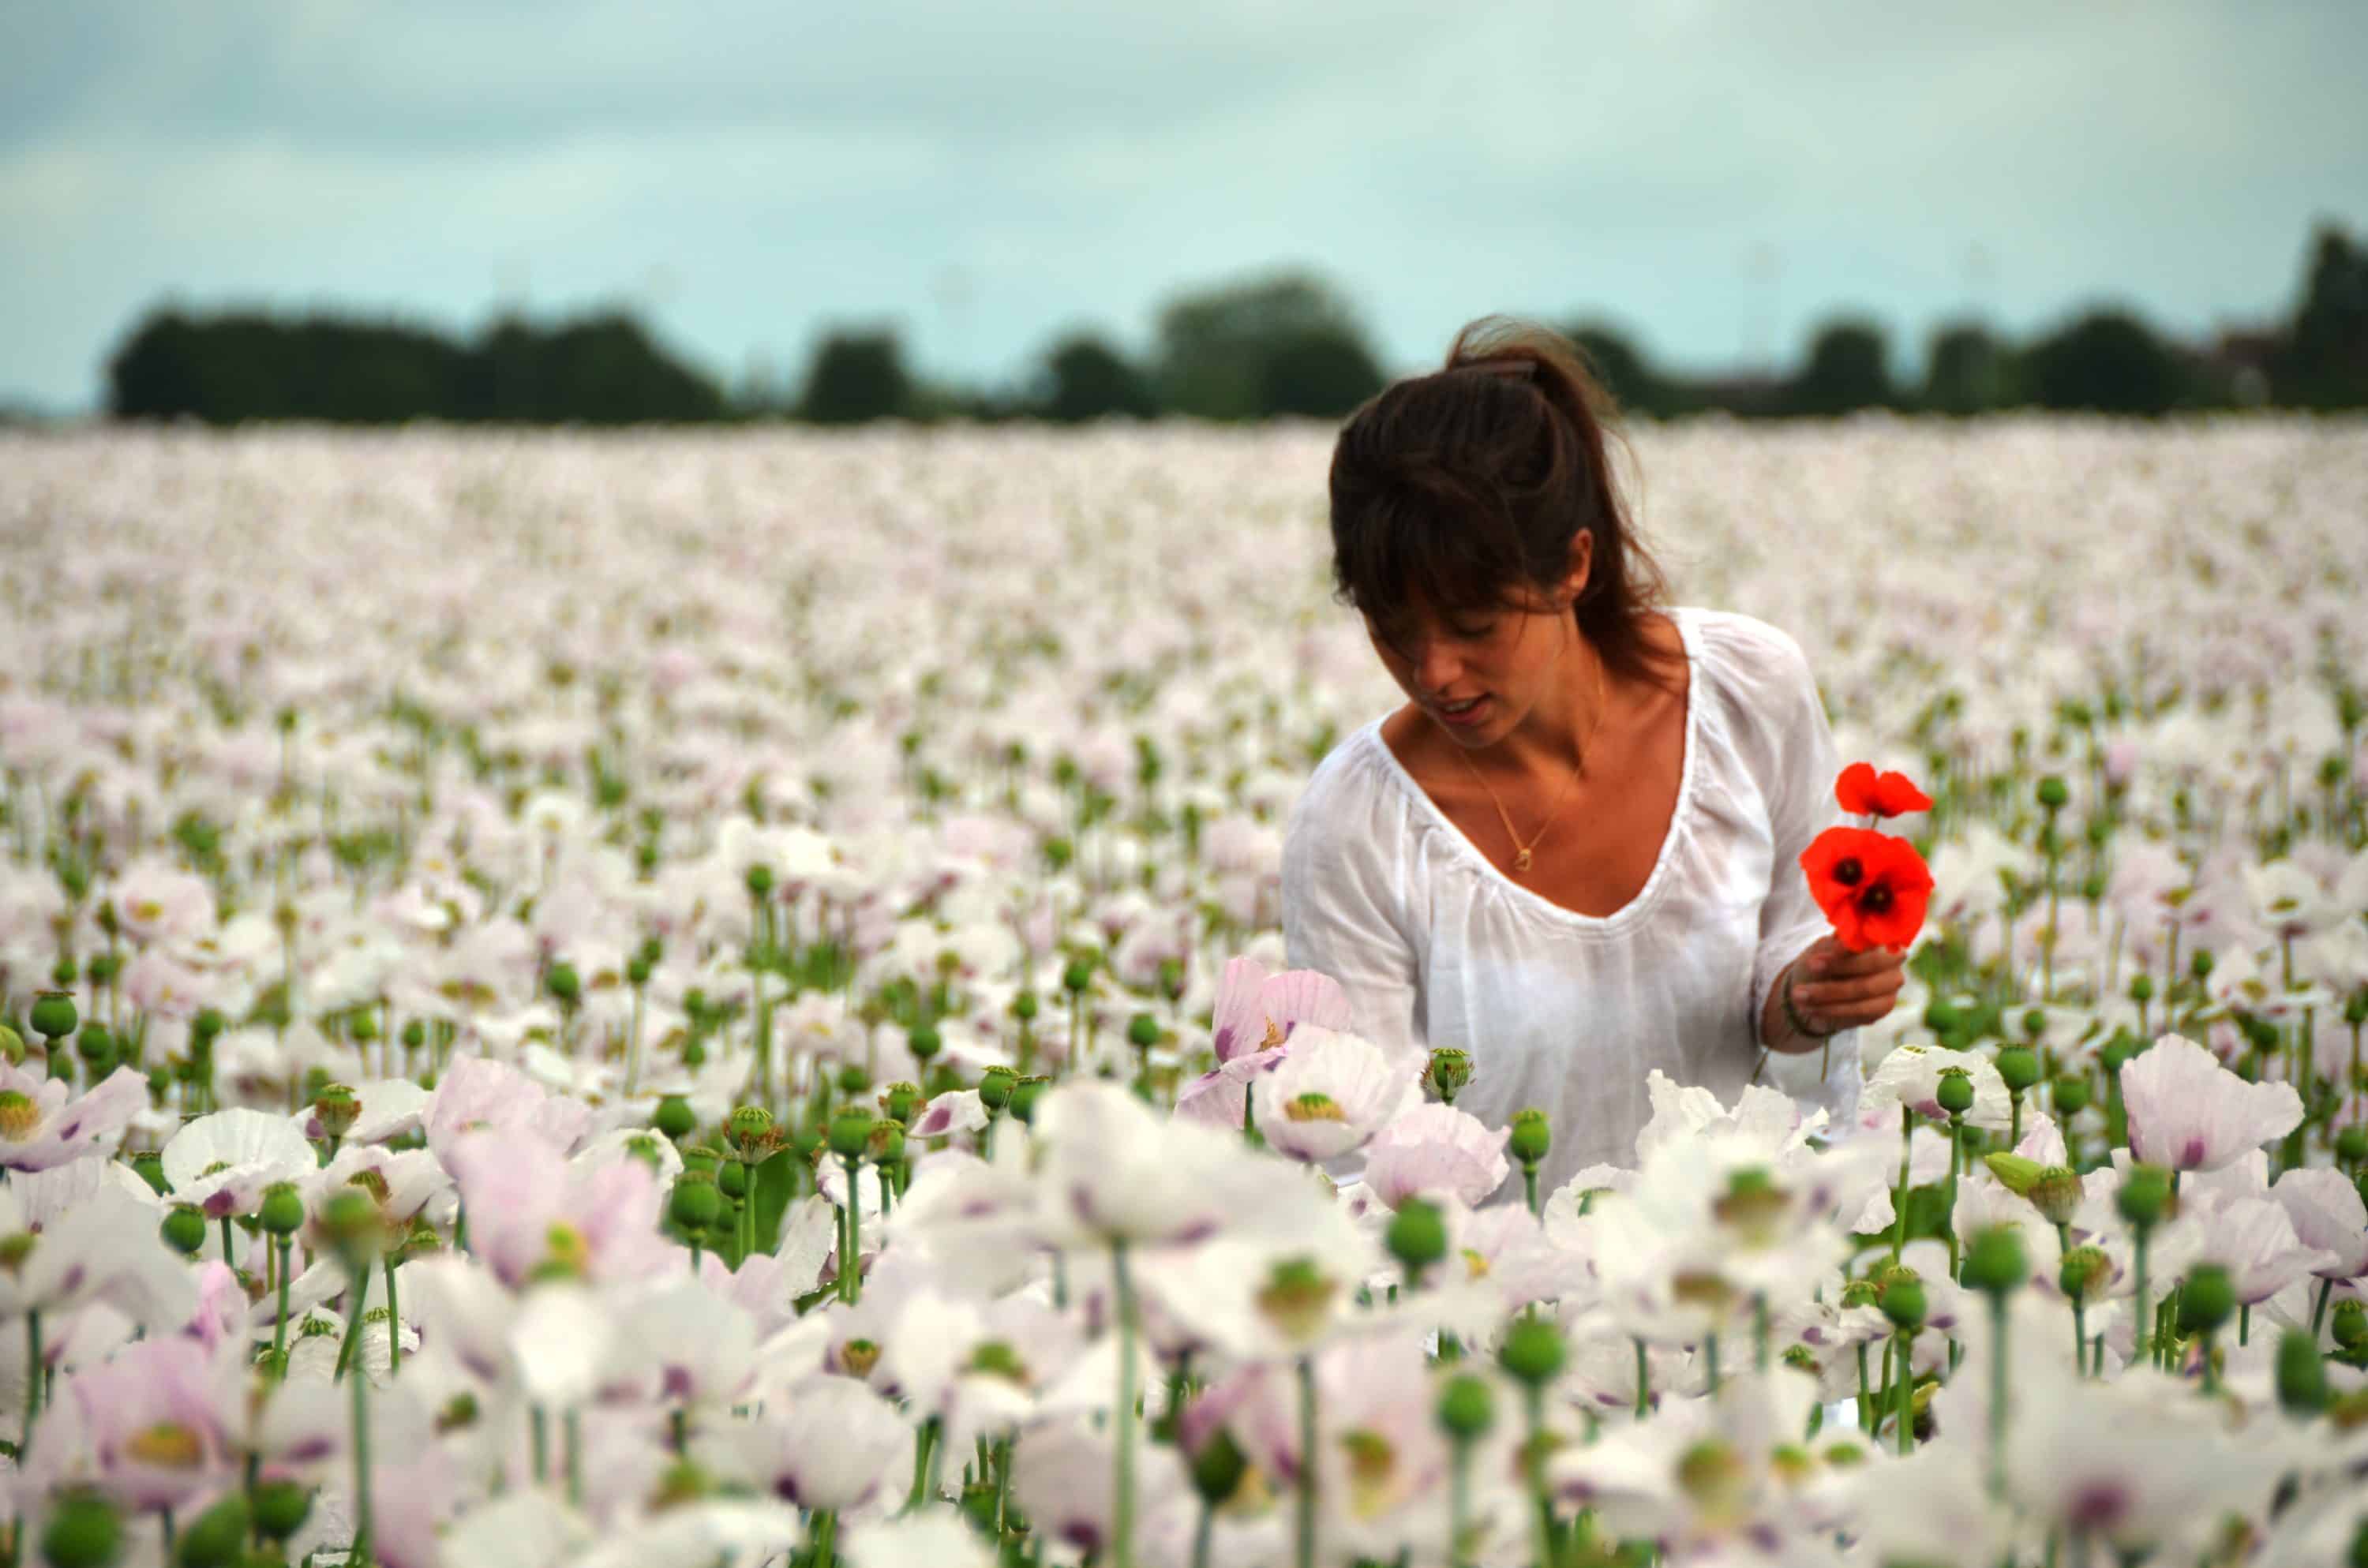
{"x": 1341, "y": 917}
{"x": 1801, "y": 805}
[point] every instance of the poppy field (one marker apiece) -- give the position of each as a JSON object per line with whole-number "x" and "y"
{"x": 719, "y": 999}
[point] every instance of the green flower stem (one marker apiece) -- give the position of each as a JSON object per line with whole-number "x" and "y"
{"x": 1956, "y": 1159}
{"x": 1865, "y": 1395}
{"x": 279, "y": 1333}
{"x": 1645, "y": 1383}
{"x": 1122, "y": 1417}
{"x": 2141, "y": 1326}
{"x": 361, "y": 1554}
{"x": 1459, "y": 1497}
{"x": 851, "y": 1277}
{"x": 228, "y": 1262}
{"x": 925, "y": 1444}
{"x": 571, "y": 1429}
{"x": 1759, "y": 1331}
{"x": 824, "y": 1530}
{"x": 1530, "y": 1184}
{"x": 1998, "y": 1394}
{"x": 1906, "y": 1149}
{"x": 2318, "y": 1309}
{"x": 358, "y": 1285}
{"x": 2080, "y": 1338}
{"x": 1904, "y": 1390}
{"x": 887, "y": 1188}
{"x": 33, "y": 1385}
{"x": 1200, "y": 1533}
{"x": 1306, "y": 1500}
{"x": 1710, "y": 1348}
{"x": 393, "y": 1318}
{"x": 1534, "y": 1467}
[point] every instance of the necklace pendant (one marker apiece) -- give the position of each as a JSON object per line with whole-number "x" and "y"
{"x": 1521, "y": 861}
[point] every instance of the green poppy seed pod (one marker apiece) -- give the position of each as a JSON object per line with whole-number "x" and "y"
{"x": 84, "y": 1531}
{"x": 1450, "y": 1071}
{"x": 1903, "y": 1299}
{"x": 995, "y": 1086}
{"x": 1172, "y": 979}
{"x": 54, "y": 1016}
{"x": 2302, "y": 1375}
{"x": 853, "y": 1079}
{"x": 2034, "y": 1022}
{"x": 336, "y": 1110}
{"x": 2200, "y": 963}
{"x": 1024, "y": 1006}
{"x": 2071, "y": 1095}
{"x": 184, "y": 1229}
{"x": 759, "y": 880}
{"x": 2145, "y": 1195}
{"x": 95, "y": 1044}
{"x": 280, "y": 1509}
{"x": 731, "y": 1178}
{"x": 216, "y": 1537}
{"x": 806, "y": 1143}
{"x": 2356, "y": 1007}
{"x": 751, "y": 1130}
{"x": 2018, "y": 1065}
{"x": 1218, "y": 1467}
{"x": 1531, "y": 1136}
{"x": 1467, "y": 1407}
{"x": 1956, "y": 1091}
{"x": 924, "y": 1042}
{"x": 2207, "y": 1299}
{"x": 637, "y": 971}
{"x": 2056, "y": 1194}
{"x": 2053, "y": 792}
{"x": 674, "y": 1120}
{"x": 12, "y": 1046}
{"x": 150, "y": 1168}
{"x": 2114, "y": 1057}
{"x": 283, "y": 1209}
{"x": 695, "y": 1203}
{"x": 850, "y": 1133}
{"x": 887, "y": 1144}
{"x": 1531, "y": 1352}
{"x": 2349, "y": 1324}
{"x": 1024, "y": 1096}
{"x": 2351, "y": 1144}
{"x": 563, "y": 983}
{"x": 700, "y": 1157}
{"x": 1417, "y": 1234}
{"x": 903, "y": 1101}
{"x": 414, "y": 1034}
{"x": 643, "y": 1146}
{"x": 1142, "y": 1032}
{"x": 1076, "y": 975}
{"x": 1941, "y": 1017}
{"x": 354, "y": 1227}
{"x": 2141, "y": 987}
{"x": 65, "y": 971}
{"x": 1995, "y": 1262}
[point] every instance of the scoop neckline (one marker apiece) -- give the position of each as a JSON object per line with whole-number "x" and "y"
{"x": 1636, "y": 908}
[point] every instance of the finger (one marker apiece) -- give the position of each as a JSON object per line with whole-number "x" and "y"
{"x": 1846, "y": 992}
{"x": 1845, "y": 962}
{"x": 1855, "y": 1015}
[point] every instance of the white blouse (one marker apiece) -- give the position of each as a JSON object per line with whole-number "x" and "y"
{"x": 1570, "y": 1013}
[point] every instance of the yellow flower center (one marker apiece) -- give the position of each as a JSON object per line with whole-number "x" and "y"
{"x": 1296, "y": 1299}
{"x": 858, "y": 1357}
{"x": 1313, "y": 1107}
{"x": 1373, "y": 1465}
{"x": 18, "y": 1114}
{"x": 168, "y": 1444}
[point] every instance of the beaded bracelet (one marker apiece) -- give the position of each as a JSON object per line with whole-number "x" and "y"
{"x": 1792, "y": 1016}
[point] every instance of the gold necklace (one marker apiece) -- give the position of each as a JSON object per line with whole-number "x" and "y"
{"x": 1522, "y": 850}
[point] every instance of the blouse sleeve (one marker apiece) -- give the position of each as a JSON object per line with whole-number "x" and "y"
{"x": 1344, "y": 916}
{"x": 1799, "y": 789}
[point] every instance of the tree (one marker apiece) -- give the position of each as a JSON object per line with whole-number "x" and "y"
{"x": 1966, "y": 369}
{"x": 2325, "y": 363}
{"x": 2108, "y": 362}
{"x": 1083, "y": 378}
{"x": 857, "y": 376}
{"x": 1848, "y": 368}
{"x": 1620, "y": 364}
{"x": 1231, "y": 352}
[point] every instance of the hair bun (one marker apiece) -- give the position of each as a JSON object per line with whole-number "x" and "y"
{"x": 1518, "y": 367}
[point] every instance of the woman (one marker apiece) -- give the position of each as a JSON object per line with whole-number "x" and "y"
{"x": 1575, "y": 852}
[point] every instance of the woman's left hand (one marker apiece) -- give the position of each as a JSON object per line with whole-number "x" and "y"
{"x": 1838, "y": 989}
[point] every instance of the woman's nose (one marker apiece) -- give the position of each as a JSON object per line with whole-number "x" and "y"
{"x": 1436, "y": 668}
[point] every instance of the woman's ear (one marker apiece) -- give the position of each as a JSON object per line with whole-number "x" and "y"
{"x": 1582, "y": 559}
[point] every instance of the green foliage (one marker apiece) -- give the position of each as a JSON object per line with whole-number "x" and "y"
{"x": 857, "y": 376}
{"x": 1227, "y": 353}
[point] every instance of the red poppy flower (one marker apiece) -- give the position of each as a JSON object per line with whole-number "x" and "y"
{"x": 1864, "y": 792}
{"x": 1874, "y": 886}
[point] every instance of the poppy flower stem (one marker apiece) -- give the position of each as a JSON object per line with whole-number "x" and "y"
{"x": 1907, "y": 1151}
{"x": 1306, "y": 1500}
{"x": 1122, "y": 1417}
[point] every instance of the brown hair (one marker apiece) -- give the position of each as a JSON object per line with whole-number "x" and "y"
{"x": 1454, "y": 488}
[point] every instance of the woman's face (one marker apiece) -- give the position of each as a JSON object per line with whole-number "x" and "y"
{"x": 1477, "y": 676}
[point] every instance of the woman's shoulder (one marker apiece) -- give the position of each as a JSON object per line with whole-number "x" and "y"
{"x": 1351, "y": 772}
{"x": 1745, "y": 644}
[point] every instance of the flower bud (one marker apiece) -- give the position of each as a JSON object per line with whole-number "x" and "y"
{"x": 2207, "y": 1299}
{"x": 924, "y": 1042}
{"x": 84, "y": 1531}
{"x": 2302, "y": 1375}
{"x": 1995, "y": 1263}
{"x": 184, "y": 1229}
{"x": 2071, "y": 1095}
{"x": 731, "y": 1178}
{"x": 2349, "y": 1324}
{"x": 2053, "y": 792}
{"x": 696, "y": 1203}
{"x": 1077, "y": 976}
{"x": 1142, "y": 1032}
{"x": 1023, "y": 1007}
{"x": 850, "y": 1133}
{"x": 2142, "y": 988}
{"x": 1218, "y": 1467}
{"x": 283, "y": 1209}
{"x": 414, "y": 1034}
{"x": 1024, "y": 1096}
{"x": 2351, "y": 1144}
{"x": 351, "y": 1222}
{"x": 96, "y": 1046}
{"x": 1531, "y": 1136}
{"x": 995, "y": 1086}
{"x": 903, "y": 1101}
{"x": 751, "y": 1132}
{"x": 336, "y": 1110}
{"x": 759, "y": 879}
{"x": 1531, "y": 1352}
{"x": 675, "y": 1119}
{"x": 2018, "y": 1065}
{"x": 1467, "y": 1407}
{"x": 54, "y": 1016}
{"x": 12, "y": 1046}
{"x": 280, "y": 1509}
{"x": 643, "y": 1146}
{"x": 2084, "y": 1269}
{"x": 1449, "y": 1072}
{"x": 564, "y": 985}
{"x": 1903, "y": 1299}
{"x": 216, "y": 1537}
{"x": 637, "y": 971}
{"x": 852, "y": 1079}
{"x": 1956, "y": 1091}
{"x": 2144, "y": 1196}
{"x": 1417, "y": 1235}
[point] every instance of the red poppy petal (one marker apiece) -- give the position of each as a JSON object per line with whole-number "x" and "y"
{"x": 1855, "y": 788}
{"x": 1895, "y": 794}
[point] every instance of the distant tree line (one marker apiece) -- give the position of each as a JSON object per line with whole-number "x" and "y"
{"x": 1279, "y": 345}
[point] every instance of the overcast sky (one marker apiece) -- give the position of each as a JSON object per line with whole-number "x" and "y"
{"x": 1718, "y": 176}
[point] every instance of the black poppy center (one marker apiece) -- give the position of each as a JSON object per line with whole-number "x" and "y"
{"x": 1876, "y": 898}
{"x": 1848, "y": 872}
